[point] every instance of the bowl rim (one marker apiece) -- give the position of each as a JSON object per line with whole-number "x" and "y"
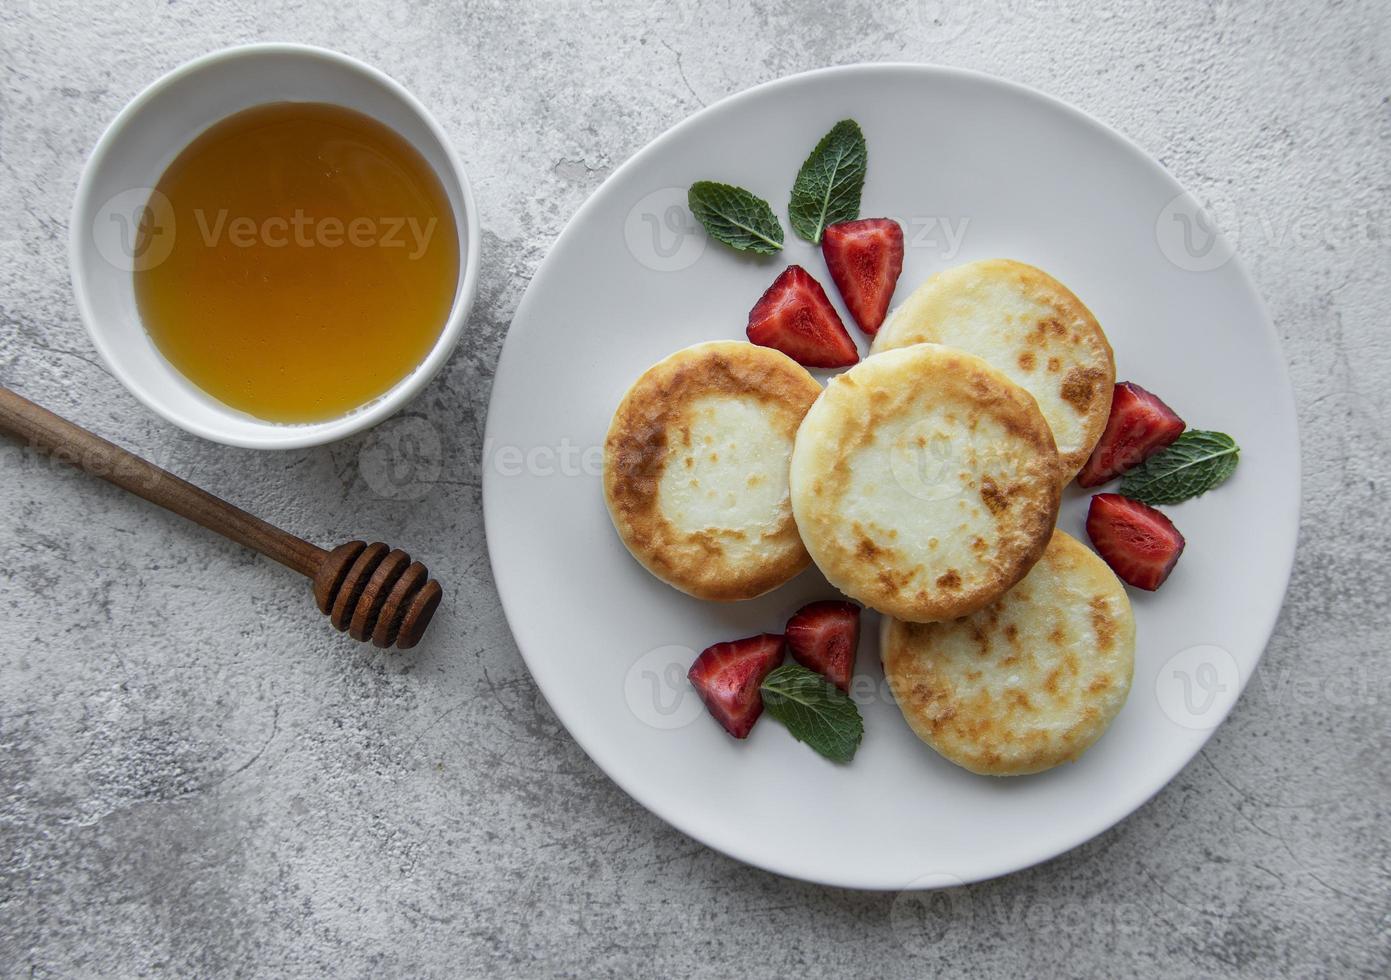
{"x": 265, "y": 434}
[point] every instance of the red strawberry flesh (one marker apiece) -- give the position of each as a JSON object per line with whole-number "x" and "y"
{"x": 823, "y": 637}
{"x": 795, "y": 317}
{"x": 865, "y": 258}
{"x": 1139, "y": 426}
{"x": 1139, "y": 543}
{"x": 727, "y": 677}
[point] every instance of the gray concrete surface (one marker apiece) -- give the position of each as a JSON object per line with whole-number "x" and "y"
{"x": 197, "y": 778}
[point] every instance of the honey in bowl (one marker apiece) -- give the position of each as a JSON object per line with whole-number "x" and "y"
{"x": 314, "y": 261}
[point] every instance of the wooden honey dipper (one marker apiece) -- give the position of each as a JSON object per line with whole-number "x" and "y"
{"x": 373, "y": 591}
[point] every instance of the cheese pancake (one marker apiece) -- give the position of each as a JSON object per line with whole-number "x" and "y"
{"x": 695, "y": 469}
{"x": 1028, "y": 326}
{"x": 925, "y": 483}
{"x": 1032, "y": 680}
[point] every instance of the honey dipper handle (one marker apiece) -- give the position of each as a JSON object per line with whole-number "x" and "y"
{"x": 73, "y": 444}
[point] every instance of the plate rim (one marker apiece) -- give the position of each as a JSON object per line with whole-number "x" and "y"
{"x": 1118, "y": 811}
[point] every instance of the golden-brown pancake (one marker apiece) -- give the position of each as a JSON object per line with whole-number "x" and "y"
{"x": 695, "y": 469}
{"x": 1032, "y": 680}
{"x": 925, "y": 483}
{"x": 1028, "y": 326}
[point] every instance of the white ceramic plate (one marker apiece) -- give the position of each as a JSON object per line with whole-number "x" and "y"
{"x": 973, "y": 167}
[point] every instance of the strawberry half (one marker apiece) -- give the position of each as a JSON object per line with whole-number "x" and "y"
{"x": 1140, "y": 544}
{"x": 795, "y": 317}
{"x": 823, "y": 637}
{"x": 865, "y": 258}
{"x": 727, "y": 677}
{"x": 1139, "y": 426}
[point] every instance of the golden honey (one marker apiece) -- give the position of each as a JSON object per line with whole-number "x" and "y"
{"x": 313, "y": 265}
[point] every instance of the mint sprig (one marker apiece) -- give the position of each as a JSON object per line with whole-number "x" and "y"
{"x": 814, "y": 710}
{"x": 1190, "y": 466}
{"x": 828, "y": 186}
{"x": 742, "y": 220}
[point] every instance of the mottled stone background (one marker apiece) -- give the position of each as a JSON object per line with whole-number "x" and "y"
{"x": 197, "y": 777}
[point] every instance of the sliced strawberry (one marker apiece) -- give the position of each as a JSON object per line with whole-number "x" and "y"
{"x": 727, "y": 677}
{"x": 823, "y": 637}
{"x": 1140, "y": 544}
{"x": 1139, "y": 426}
{"x": 865, "y": 258}
{"x": 795, "y": 317}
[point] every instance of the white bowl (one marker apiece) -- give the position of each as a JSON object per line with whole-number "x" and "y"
{"x": 130, "y": 157}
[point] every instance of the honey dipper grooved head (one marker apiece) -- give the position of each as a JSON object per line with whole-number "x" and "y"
{"x": 376, "y": 593}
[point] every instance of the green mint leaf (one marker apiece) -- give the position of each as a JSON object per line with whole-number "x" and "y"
{"x": 814, "y": 710}
{"x": 828, "y": 186}
{"x": 743, "y": 221}
{"x": 1190, "y": 466}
